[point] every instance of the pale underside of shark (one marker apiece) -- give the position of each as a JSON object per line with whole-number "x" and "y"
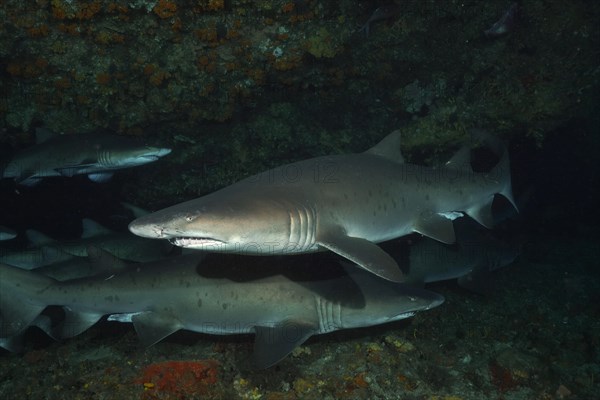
{"x": 163, "y": 297}
{"x": 93, "y": 154}
{"x": 344, "y": 203}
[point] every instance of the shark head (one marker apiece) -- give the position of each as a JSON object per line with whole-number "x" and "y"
{"x": 252, "y": 224}
{"x": 386, "y": 301}
{"x": 132, "y": 156}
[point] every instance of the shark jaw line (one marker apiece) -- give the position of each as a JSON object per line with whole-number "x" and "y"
{"x": 149, "y": 158}
{"x": 195, "y": 242}
{"x": 216, "y": 245}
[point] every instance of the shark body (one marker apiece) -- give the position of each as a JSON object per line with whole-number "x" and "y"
{"x": 122, "y": 245}
{"x": 472, "y": 258}
{"x": 33, "y": 257}
{"x": 14, "y": 343}
{"x": 96, "y": 155}
{"x": 344, "y": 203}
{"x": 168, "y": 295}
{"x": 55, "y": 257}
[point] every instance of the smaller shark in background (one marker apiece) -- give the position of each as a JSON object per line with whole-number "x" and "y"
{"x": 176, "y": 293}
{"x": 123, "y": 245}
{"x": 45, "y": 252}
{"x": 344, "y": 203}
{"x": 95, "y": 155}
{"x": 474, "y": 256}
{"x": 7, "y": 233}
{"x": 33, "y": 257}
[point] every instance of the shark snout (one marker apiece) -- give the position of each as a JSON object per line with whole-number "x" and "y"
{"x": 159, "y": 152}
{"x": 436, "y": 300}
{"x": 163, "y": 152}
{"x": 152, "y": 154}
{"x": 146, "y": 230}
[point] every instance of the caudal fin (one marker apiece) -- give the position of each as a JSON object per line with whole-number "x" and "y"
{"x": 501, "y": 172}
{"x": 19, "y": 303}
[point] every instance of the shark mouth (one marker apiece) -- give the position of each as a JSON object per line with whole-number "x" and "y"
{"x": 196, "y": 242}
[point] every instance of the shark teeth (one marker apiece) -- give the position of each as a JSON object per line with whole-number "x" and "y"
{"x": 196, "y": 242}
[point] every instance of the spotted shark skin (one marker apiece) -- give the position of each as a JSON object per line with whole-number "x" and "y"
{"x": 343, "y": 203}
{"x": 165, "y": 296}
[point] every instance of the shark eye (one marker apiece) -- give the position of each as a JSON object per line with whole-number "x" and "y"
{"x": 189, "y": 218}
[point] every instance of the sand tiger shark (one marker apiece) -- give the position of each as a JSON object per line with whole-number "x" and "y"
{"x": 123, "y": 245}
{"x": 45, "y": 251}
{"x": 95, "y": 155}
{"x": 344, "y": 203}
{"x": 471, "y": 260}
{"x": 165, "y": 296}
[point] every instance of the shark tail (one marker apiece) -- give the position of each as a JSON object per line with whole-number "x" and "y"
{"x": 14, "y": 344}
{"x": 22, "y": 300}
{"x": 502, "y": 172}
{"x": 20, "y": 304}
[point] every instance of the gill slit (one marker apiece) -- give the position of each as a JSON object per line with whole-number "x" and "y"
{"x": 302, "y": 227}
{"x": 104, "y": 158}
{"x": 329, "y": 315}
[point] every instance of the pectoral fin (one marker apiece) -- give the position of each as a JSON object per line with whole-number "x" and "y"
{"x": 272, "y": 344}
{"x": 435, "y": 226}
{"x": 16, "y": 315}
{"x": 362, "y": 252}
{"x": 100, "y": 177}
{"x": 152, "y": 327}
{"x": 75, "y": 323}
{"x": 14, "y": 344}
{"x": 483, "y": 214}
{"x": 30, "y": 182}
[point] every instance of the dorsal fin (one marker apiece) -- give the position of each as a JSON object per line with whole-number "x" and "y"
{"x": 137, "y": 211}
{"x": 37, "y": 238}
{"x": 389, "y": 147}
{"x": 486, "y": 139}
{"x": 103, "y": 261}
{"x": 92, "y": 229}
{"x": 460, "y": 160}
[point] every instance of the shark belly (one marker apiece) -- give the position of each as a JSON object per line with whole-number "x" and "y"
{"x": 238, "y": 308}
